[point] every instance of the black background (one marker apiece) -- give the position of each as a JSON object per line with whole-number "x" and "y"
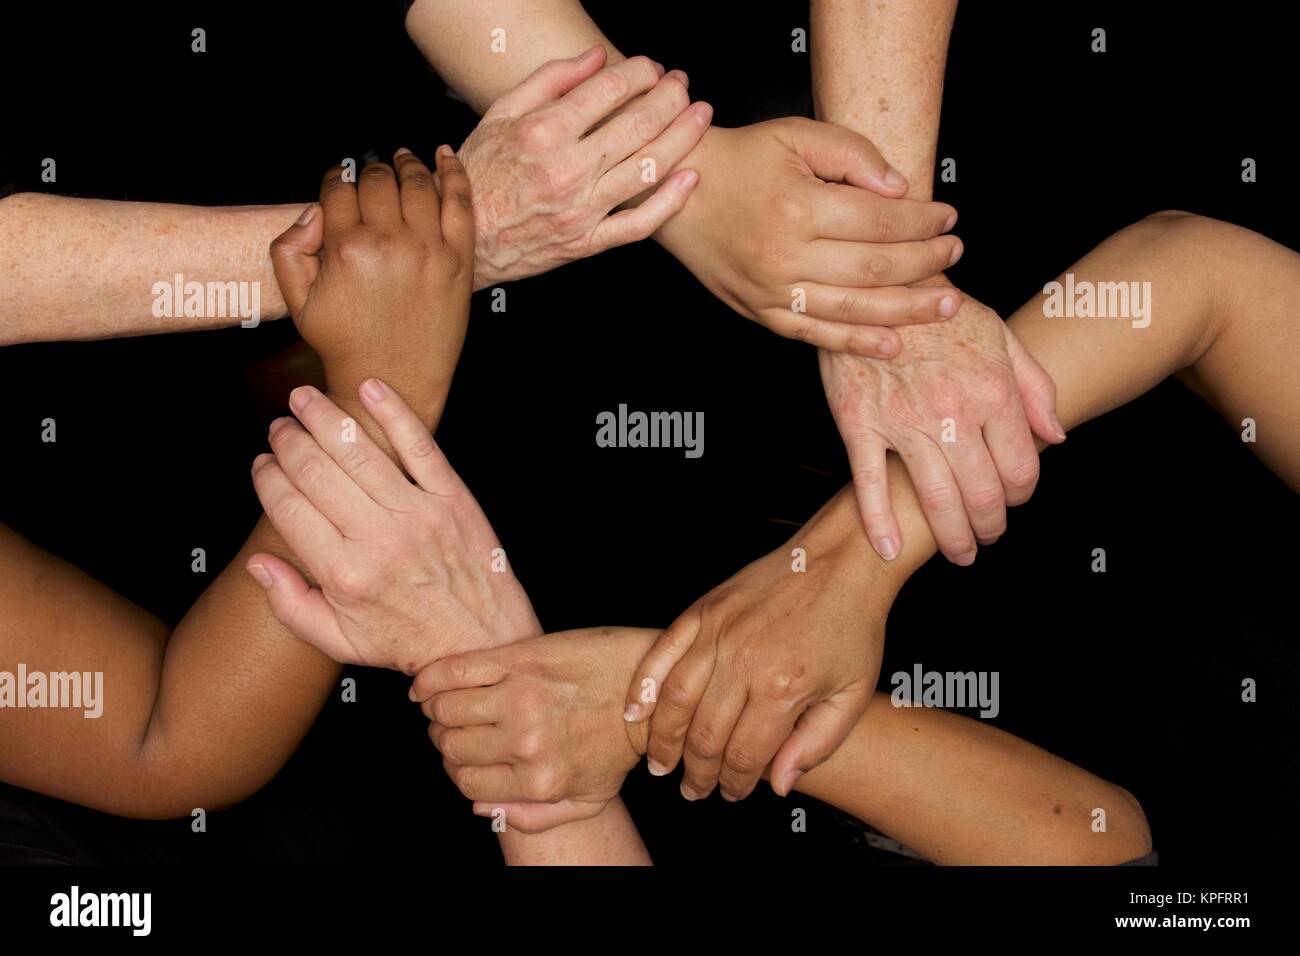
{"x": 1135, "y": 674}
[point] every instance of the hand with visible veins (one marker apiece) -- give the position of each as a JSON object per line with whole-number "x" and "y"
{"x": 961, "y": 405}
{"x": 551, "y": 159}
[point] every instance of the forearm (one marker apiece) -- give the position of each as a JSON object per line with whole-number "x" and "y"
{"x": 86, "y": 268}
{"x": 878, "y": 70}
{"x": 960, "y": 791}
{"x": 458, "y": 40}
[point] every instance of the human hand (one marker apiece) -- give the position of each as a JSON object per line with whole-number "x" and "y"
{"x": 960, "y": 405}
{"x": 536, "y": 728}
{"x": 774, "y": 666}
{"x": 551, "y": 159}
{"x": 794, "y": 207}
{"x": 390, "y": 294}
{"x": 406, "y": 572}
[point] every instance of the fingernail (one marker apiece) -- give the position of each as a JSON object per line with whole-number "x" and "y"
{"x": 411, "y": 693}
{"x": 1060, "y": 432}
{"x": 967, "y": 559}
{"x": 658, "y": 66}
{"x": 308, "y": 215}
{"x": 957, "y": 250}
{"x": 633, "y": 713}
{"x": 261, "y": 460}
{"x": 402, "y": 151}
{"x": 656, "y": 768}
{"x": 729, "y": 798}
{"x": 444, "y": 150}
{"x": 278, "y": 424}
{"x": 483, "y": 811}
{"x": 373, "y": 389}
{"x": 790, "y": 780}
{"x": 689, "y": 179}
{"x": 952, "y": 221}
{"x": 301, "y": 397}
{"x": 681, "y": 77}
{"x": 947, "y": 307}
{"x": 688, "y": 793}
{"x": 887, "y": 549}
{"x": 894, "y": 178}
{"x": 260, "y": 575}
{"x": 888, "y": 349}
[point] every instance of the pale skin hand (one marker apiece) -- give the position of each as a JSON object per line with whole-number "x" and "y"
{"x": 851, "y": 293}
{"x": 956, "y": 790}
{"x": 770, "y": 647}
{"x": 1234, "y": 346}
{"x": 552, "y": 159}
{"x": 878, "y": 70}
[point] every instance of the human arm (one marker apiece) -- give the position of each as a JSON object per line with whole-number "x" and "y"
{"x": 74, "y": 268}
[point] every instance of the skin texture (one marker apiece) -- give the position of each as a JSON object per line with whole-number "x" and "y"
{"x": 1224, "y": 326}
{"x": 552, "y": 158}
{"x": 955, "y": 790}
{"x": 758, "y": 191}
{"x": 84, "y": 268}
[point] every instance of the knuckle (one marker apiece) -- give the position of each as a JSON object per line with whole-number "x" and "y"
{"x": 985, "y": 498}
{"x": 543, "y": 785}
{"x": 677, "y": 697}
{"x": 703, "y": 743}
{"x": 377, "y": 172}
{"x": 355, "y": 457}
{"x": 938, "y": 496}
{"x": 286, "y": 510}
{"x": 530, "y": 746}
{"x": 537, "y": 132}
{"x": 349, "y": 583}
{"x": 1023, "y": 475}
{"x": 887, "y": 221}
{"x": 308, "y": 472}
{"x": 877, "y": 269}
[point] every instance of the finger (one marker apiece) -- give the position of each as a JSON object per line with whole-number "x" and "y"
{"x": 347, "y": 444}
{"x": 979, "y": 482}
{"x": 319, "y": 479}
{"x": 377, "y": 197}
{"x": 539, "y": 817}
{"x": 306, "y": 531}
{"x": 418, "y": 197}
{"x": 548, "y": 83}
{"x": 850, "y": 213}
{"x": 638, "y": 125}
{"x": 419, "y": 454}
{"x": 865, "y": 340}
{"x": 490, "y": 784}
{"x": 668, "y": 649}
{"x": 715, "y": 718}
{"x": 641, "y": 222}
{"x": 628, "y": 179}
{"x": 868, "y": 460}
{"x": 817, "y": 734}
{"x": 839, "y": 155}
{"x": 940, "y": 499}
{"x": 457, "y": 204}
{"x": 300, "y": 607}
{"x": 679, "y": 697}
{"x": 871, "y": 264}
{"x": 593, "y": 99}
{"x": 475, "y": 669}
{"x": 1037, "y": 392}
{"x": 339, "y": 201}
{"x": 890, "y": 306}
{"x": 480, "y": 746}
{"x": 295, "y": 256}
{"x": 758, "y": 735}
{"x": 463, "y": 708}
{"x": 1011, "y": 444}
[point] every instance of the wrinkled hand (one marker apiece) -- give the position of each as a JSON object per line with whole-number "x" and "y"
{"x": 536, "y": 728}
{"x": 389, "y": 292}
{"x": 960, "y": 405}
{"x": 551, "y": 159}
{"x": 798, "y": 225}
{"x": 407, "y": 572}
{"x": 774, "y": 666}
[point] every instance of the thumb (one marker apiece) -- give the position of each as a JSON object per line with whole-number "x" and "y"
{"x": 1037, "y": 392}
{"x": 549, "y": 82}
{"x": 839, "y": 155}
{"x": 300, "y": 607}
{"x": 294, "y": 256}
{"x": 817, "y": 734}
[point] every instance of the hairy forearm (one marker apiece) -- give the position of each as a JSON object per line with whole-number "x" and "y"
{"x": 878, "y": 70}
{"x": 86, "y": 268}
